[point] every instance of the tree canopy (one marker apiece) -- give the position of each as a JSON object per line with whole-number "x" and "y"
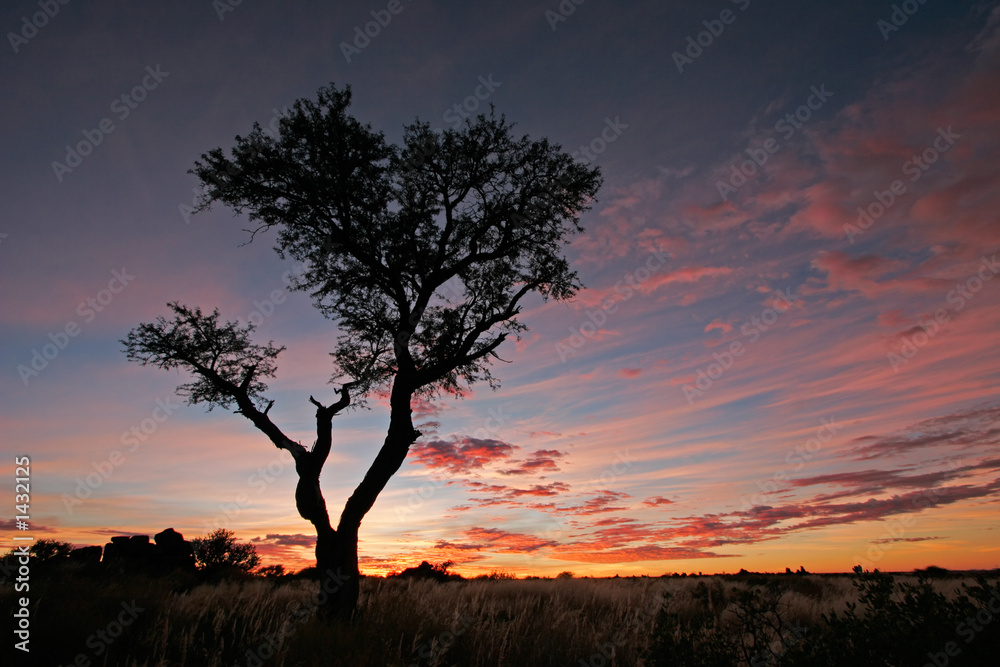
{"x": 220, "y": 550}
{"x": 423, "y": 252}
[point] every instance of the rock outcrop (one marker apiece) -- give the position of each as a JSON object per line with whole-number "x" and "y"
{"x": 86, "y": 555}
{"x": 169, "y": 552}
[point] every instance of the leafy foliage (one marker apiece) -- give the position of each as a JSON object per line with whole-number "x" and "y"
{"x": 46, "y": 549}
{"x": 903, "y": 623}
{"x": 221, "y": 354}
{"x": 891, "y": 624}
{"x": 421, "y": 252}
{"x": 220, "y": 550}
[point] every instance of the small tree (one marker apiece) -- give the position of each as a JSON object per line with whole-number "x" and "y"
{"x": 220, "y": 550}
{"x": 48, "y": 549}
{"x": 45, "y": 550}
{"x": 273, "y": 571}
{"x": 422, "y": 253}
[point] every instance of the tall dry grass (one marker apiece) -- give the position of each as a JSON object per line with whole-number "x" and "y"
{"x": 478, "y": 623}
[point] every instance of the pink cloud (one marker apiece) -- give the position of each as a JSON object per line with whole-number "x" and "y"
{"x": 497, "y": 540}
{"x": 687, "y": 274}
{"x": 634, "y": 554}
{"x": 540, "y": 461}
{"x": 716, "y": 325}
{"x": 975, "y": 427}
{"x": 502, "y": 494}
{"x": 461, "y": 455}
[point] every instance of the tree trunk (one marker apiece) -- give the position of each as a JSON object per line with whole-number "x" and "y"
{"x": 338, "y": 563}
{"x": 339, "y": 577}
{"x": 337, "y": 550}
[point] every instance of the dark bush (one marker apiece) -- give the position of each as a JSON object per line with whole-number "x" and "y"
{"x": 891, "y": 624}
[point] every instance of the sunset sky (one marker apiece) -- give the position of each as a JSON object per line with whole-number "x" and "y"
{"x": 786, "y": 353}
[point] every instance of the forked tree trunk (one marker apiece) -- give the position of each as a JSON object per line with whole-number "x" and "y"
{"x": 337, "y": 550}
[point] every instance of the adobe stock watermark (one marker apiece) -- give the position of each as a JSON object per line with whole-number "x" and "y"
{"x": 122, "y": 106}
{"x": 433, "y": 651}
{"x": 298, "y": 614}
{"x": 31, "y": 26}
{"x": 459, "y": 112}
{"x": 968, "y": 629}
{"x": 753, "y": 328}
{"x": 291, "y": 276}
{"x": 598, "y": 317}
{"x": 217, "y": 180}
{"x": 223, "y": 7}
{"x": 372, "y": 29}
{"x": 900, "y": 14}
{"x": 259, "y": 480}
{"x": 796, "y": 459}
{"x": 914, "y": 168}
{"x": 641, "y": 622}
{"x": 623, "y": 461}
{"x": 612, "y": 130}
{"x": 131, "y": 440}
{"x": 549, "y": 192}
{"x": 713, "y": 30}
{"x": 787, "y": 126}
{"x": 22, "y": 585}
{"x": 103, "y": 638}
{"x": 87, "y": 310}
{"x": 264, "y": 309}
{"x": 563, "y": 11}
{"x": 271, "y": 129}
{"x": 926, "y": 330}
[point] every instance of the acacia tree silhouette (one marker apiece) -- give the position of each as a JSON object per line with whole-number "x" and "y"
{"x": 421, "y": 253}
{"x": 219, "y": 550}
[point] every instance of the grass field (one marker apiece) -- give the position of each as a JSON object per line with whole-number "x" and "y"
{"x": 136, "y": 620}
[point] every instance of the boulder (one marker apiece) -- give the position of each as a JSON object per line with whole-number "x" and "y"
{"x": 175, "y": 551}
{"x": 170, "y": 551}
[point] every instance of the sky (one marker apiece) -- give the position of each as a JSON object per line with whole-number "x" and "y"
{"x": 785, "y": 353}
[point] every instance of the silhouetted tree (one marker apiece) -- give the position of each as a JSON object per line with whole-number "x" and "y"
{"x": 220, "y": 550}
{"x": 272, "y": 571}
{"x": 421, "y": 253}
{"x": 48, "y": 549}
{"x": 45, "y": 550}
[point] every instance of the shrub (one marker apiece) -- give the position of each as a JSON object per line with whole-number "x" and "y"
{"x": 904, "y": 623}
{"x": 272, "y": 571}
{"x": 220, "y": 551}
